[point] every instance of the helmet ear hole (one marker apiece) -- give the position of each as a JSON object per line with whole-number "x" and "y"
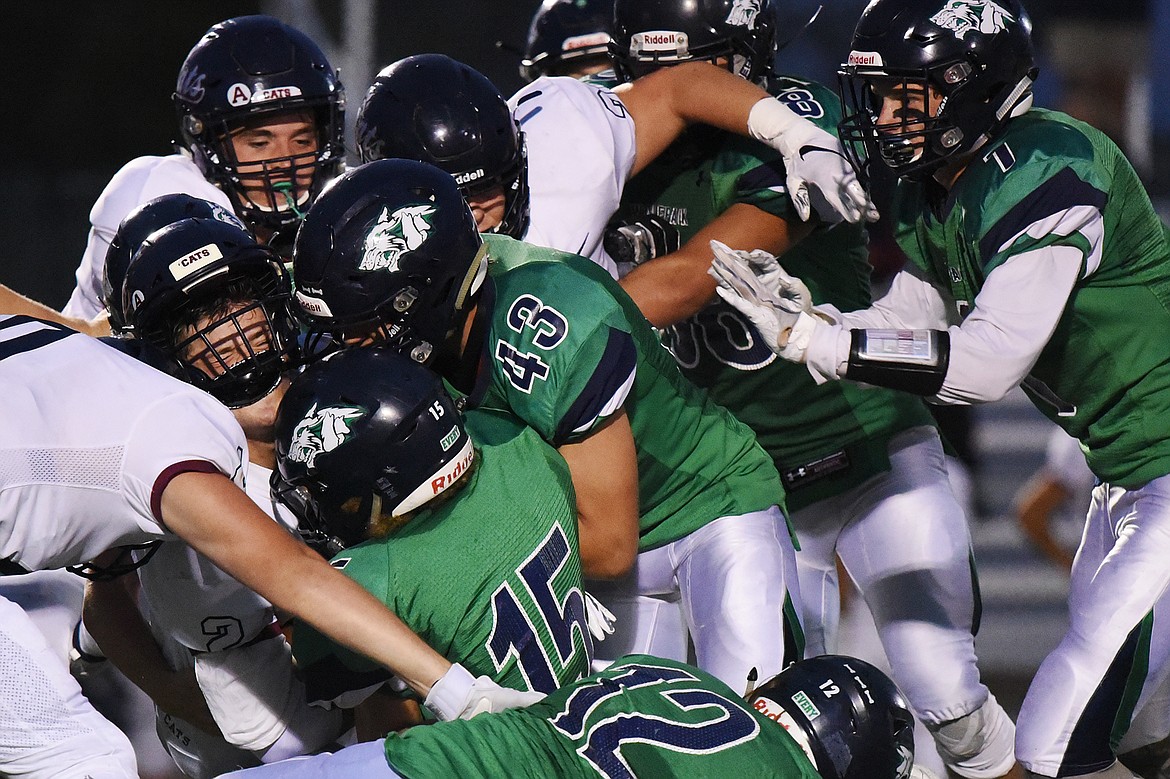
{"x": 192, "y": 126}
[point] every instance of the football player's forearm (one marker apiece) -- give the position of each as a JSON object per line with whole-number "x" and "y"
{"x": 662, "y": 105}
{"x": 671, "y": 288}
{"x": 216, "y": 518}
{"x": 12, "y": 302}
{"x": 604, "y": 468}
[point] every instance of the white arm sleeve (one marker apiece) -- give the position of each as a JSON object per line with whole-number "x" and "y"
{"x": 1013, "y": 317}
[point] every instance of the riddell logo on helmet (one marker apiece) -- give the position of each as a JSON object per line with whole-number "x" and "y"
{"x": 777, "y": 714}
{"x": 864, "y": 58}
{"x": 585, "y": 41}
{"x": 659, "y": 40}
{"x": 312, "y": 305}
{"x": 445, "y": 480}
{"x": 469, "y": 176}
{"x": 189, "y": 263}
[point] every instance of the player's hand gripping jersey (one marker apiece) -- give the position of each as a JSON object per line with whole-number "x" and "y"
{"x": 643, "y": 717}
{"x": 91, "y": 439}
{"x": 490, "y": 579}
{"x": 563, "y": 343}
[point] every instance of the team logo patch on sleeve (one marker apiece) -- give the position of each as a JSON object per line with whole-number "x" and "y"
{"x": 394, "y": 234}
{"x": 963, "y": 16}
{"x": 323, "y": 430}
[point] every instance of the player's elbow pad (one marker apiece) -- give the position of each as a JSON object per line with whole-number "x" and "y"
{"x": 913, "y": 361}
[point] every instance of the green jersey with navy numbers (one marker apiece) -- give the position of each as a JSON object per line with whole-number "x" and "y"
{"x": 490, "y": 578}
{"x": 1104, "y": 375}
{"x": 823, "y": 439}
{"x": 563, "y": 338}
{"x": 641, "y": 717}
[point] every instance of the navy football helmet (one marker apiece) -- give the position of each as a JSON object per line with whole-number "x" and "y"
{"x": 136, "y": 228}
{"x": 565, "y": 34}
{"x": 363, "y": 437}
{"x": 848, "y": 716}
{"x": 248, "y": 69}
{"x": 650, "y": 34}
{"x": 434, "y": 109}
{"x": 978, "y": 56}
{"x": 390, "y": 249}
{"x": 207, "y": 294}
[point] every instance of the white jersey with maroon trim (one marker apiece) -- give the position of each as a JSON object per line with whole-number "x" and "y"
{"x": 195, "y": 604}
{"x": 580, "y": 142}
{"x": 89, "y": 439}
{"x": 139, "y": 181}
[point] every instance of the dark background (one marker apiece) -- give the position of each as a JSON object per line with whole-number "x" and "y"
{"x": 88, "y": 92}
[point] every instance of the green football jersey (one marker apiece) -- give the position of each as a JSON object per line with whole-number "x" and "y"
{"x": 823, "y": 439}
{"x": 562, "y": 337}
{"x": 642, "y": 717}
{"x": 490, "y": 578}
{"x": 1104, "y": 375}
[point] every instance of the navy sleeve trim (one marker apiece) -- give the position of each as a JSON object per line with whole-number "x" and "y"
{"x": 1061, "y": 192}
{"x": 618, "y": 361}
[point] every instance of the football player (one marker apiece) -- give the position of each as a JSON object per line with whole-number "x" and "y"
{"x": 469, "y": 525}
{"x": 830, "y": 717}
{"x": 261, "y": 131}
{"x": 663, "y": 476}
{"x": 1037, "y": 260}
{"x": 567, "y": 38}
{"x": 548, "y": 166}
{"x": 224, "y": 318}
{"x": 863, "y": 468}
{"x": 162, "y": 459}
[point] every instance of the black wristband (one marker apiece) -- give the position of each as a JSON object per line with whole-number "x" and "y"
{"x": 913, "y": 361}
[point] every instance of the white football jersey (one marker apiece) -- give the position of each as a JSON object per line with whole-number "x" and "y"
{"x": 89, "y": 439}
{"x": 581, "y": 146}
{"x": 197, "y": 605}
{"x": 139, "y": 181}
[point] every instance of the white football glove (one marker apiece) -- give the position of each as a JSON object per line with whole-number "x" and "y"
{"x": 599, "y": 619}
{"x": 459, "y": 695}
{"x": 819, "y": 175}
{"x": 792, "y": 291}
{"x": 785, "y": 331}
